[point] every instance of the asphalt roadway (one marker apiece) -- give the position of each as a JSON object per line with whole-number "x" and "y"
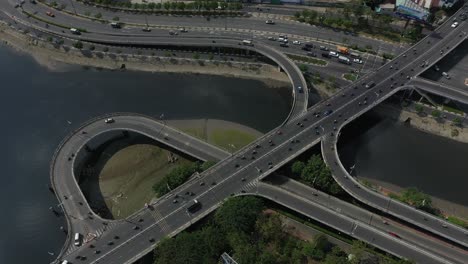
{"x": 80, "y": 216}
{"x": 169, "y": 209}
{"x": 226, "y": 178}
{"x": 444, "y": 90}
{"x": 304, "y": 203}
{"x": 250, "y": 24}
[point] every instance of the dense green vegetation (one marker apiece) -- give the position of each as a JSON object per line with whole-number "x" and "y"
{"x": 418, "y": 199}
{"x": 178, "y": 176}
{"x": 314, "y": 172}
{"x": 205, "y": 5}
{"x": 357, "y": 16}
{"x": 251, "y": 236}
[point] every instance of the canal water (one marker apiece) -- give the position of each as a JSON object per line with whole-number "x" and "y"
{"x": 38, "y": 108}
{"x": 392, "y": 152}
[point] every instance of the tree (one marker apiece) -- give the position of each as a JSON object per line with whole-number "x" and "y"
{"x": 207, "y": 164}
{"x": 199, "y": 247}
{"x": 98, "y": 15}
{"x": 436, "y": 113}
{"x": 239, "y": 214}
{"x": 270, "y": 228}
{"x": 297, "y": 167}
{"x": 419, "y": 109}
{"x": 357, "y": 250}
{"x": 457, "y": 121}
{"x": 196, "y": 56}
{"x": 336, "y": 256}
{"x": 116, "y": 18}
{"x": 303, "y": 68}
{"x": 78, "y": 45}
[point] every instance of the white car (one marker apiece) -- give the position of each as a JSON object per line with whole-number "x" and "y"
{"x": 334, "y": 54}
{"x": 358, "y": 61}
{"x": 454, "y": 25}
{"x": 109, "y": 120}
{"x": 270, "y": 22}
{"x": 296, "y": 42}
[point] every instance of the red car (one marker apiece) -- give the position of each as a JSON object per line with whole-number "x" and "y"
{"x": 50, "y": 14}
{"x": 394, "y": 235}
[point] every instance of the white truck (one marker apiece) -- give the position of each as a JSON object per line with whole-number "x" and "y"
{"x": 344, "y": 60}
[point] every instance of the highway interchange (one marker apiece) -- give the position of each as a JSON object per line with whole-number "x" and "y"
{"x": 240, "y": 172}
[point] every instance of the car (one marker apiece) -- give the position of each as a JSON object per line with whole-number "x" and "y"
{"x": 323, "y": 48}
{"x": 358, "y": 61}
{"x": 284, "y": 45}
{"x": 109, "y": 120}
{"x": 296, "y": 42}
{"x": 75, "y": 31}
{"x": 393, "y": 234}
{"x": 172, "y": 33}
{"x": 306, "y": 48}
{"x": 270, "y": 22}
{"x": 50, "y": 14}
{"x": 272, "y": 38}
{"x": 77, "y": 239}
{"x": 454, "y": 25}
{"x": 183, "y": 30}
{"x": 32, "y": 1}
{"x": 370, "y": 85}
{"x": 446, "y": 75}
{"x": 299, "y": 88}
{"x": 146, "y": 29}
{"x": 312, "y": 54}
{"x": 116, "y": 25}
{"x": 328, "y": 112}
{"x": 334, "y": 54}
{"x": 64, "y": 262}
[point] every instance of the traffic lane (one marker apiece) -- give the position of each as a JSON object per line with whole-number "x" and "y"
{"x": 183, "y": 21}
{"x": 346, "y": 225}
{"x": 424, "y": 241}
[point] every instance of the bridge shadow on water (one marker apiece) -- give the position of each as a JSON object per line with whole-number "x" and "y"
{"x": 95, "y": 159}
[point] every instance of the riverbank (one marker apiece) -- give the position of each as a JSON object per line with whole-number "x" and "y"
{"x": 126, "y": 179}
{"x": 448, "y": 208}
{"x": 425, "y": 123}
{"x": 55, "y": 57}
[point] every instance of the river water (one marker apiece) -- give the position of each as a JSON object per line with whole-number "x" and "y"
{"x": 38, "y": 108}
{"x": 392, "y": 152}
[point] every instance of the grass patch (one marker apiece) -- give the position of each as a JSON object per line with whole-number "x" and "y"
{"x": 350, "y": 77}
{"x": 452, "y": 110}
{"x": 307, "y": 59}
{"x": 230, "y": 139}
{"x": 457, "y": 221}
{"x": 127, "y": 178}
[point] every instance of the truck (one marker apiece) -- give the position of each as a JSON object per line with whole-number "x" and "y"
{"x": 195, "y": 206}
{"x": 247, "y": 42}
{"x": 344, "y": 60}
{"x": 342, "y": 50}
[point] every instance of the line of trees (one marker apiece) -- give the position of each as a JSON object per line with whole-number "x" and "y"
{"x": 199, "y": 5}
{"x": 315, "y": 172}
{"x": 178, "y": 176}
{"x": 250, "y": 235}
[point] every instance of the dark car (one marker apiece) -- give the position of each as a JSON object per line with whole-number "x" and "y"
{"x": 328, "y": 112}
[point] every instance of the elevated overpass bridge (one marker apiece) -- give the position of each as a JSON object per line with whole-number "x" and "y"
{"x": 242, "y": 171}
